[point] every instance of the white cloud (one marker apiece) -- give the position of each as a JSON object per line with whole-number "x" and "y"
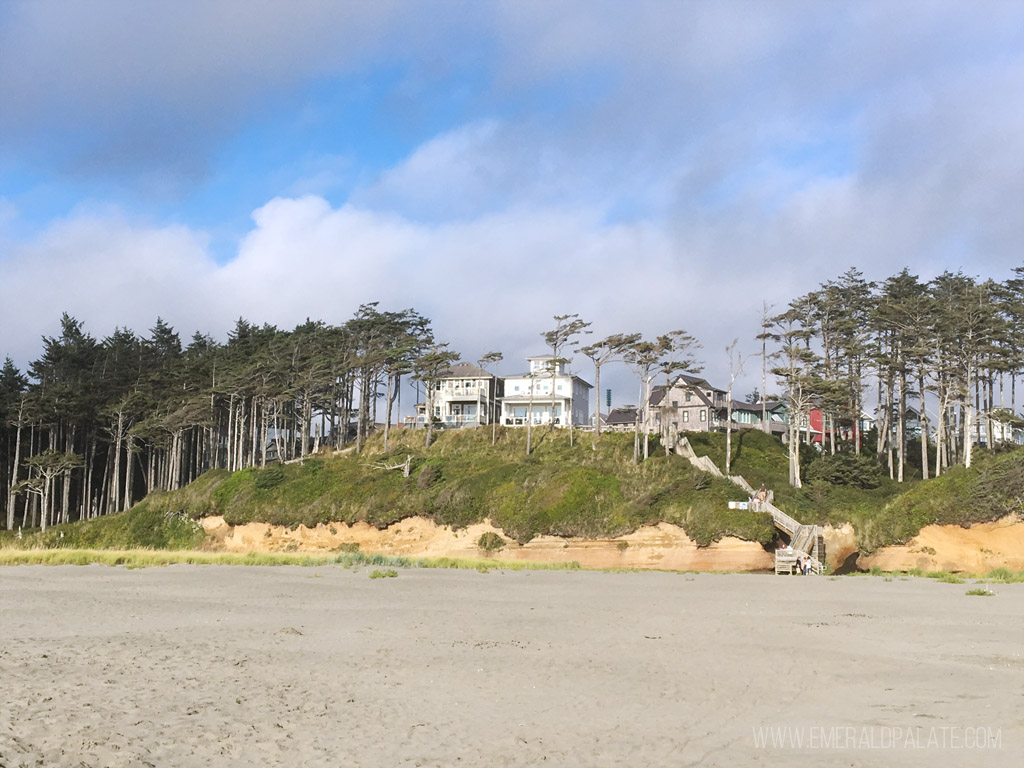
{"x": 493, "y": 282}
{"x": 661, "y": 165}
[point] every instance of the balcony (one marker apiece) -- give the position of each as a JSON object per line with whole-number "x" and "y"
{"x": 452, "y": 392}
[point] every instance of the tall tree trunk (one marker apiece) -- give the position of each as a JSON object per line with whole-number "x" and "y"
{"x": 115, "y": 497}
{"x": 230, "y": 441}
{"x": 924, "y": 427}
{"x": 794, "y": 449}
{"x": 45, "y": 512}
{"x": 969, "y": 418}
{"x": 11, "y": 497}
{"x": 66, "y": 479}
{"x": 989, "y": 429}
{"x": 129, "y": 473}
{"x": 858, "y": 406}
{"x": 387, "y": 413}
{"x": 645, "y": 401}
{"x": 901, "y": 435}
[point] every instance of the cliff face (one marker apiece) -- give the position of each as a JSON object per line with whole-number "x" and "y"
{"x": 976, "y": 550}
{"x": 662, "y": 546}
{"x": 981, "y": 548}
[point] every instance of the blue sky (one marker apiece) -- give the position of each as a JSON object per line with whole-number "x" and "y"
{"x": 496, "y": 163}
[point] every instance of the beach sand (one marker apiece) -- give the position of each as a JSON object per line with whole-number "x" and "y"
{"x": 283, "y": 666}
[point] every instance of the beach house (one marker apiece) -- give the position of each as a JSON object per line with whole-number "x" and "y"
{"x": 546, "y": 394}
{"x": 466, "y": 396}
{"x": 687, "y": 404}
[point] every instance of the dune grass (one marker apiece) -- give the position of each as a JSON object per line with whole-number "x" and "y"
{"x": 143, "y": 558}
{"x": 1003, "y": 576}
{"x": 999, "y": 575}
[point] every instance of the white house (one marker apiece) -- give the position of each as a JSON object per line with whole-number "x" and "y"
{"x": 466, "y": 396}
{"x": 559, "y": 398}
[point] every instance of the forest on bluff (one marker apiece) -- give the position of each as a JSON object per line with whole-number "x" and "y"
{"x": 94, "y": 425}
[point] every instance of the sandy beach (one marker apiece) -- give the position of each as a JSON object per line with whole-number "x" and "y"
{"x": 239, "y": 666}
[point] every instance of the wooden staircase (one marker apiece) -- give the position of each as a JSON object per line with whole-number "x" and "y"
{"x": 806, "y": 542}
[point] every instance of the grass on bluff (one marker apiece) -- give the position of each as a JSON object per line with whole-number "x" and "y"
{"x": 560, "y": 489}
{"x": 584, "y": 489}
{"x": 991, "y": 489}
{"x": 891, "y": 512}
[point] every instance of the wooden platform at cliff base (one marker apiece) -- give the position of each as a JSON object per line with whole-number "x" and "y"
{"x": 806, "y": 542}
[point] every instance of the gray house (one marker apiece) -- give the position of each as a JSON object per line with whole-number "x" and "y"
{"x": 688, "y": 404}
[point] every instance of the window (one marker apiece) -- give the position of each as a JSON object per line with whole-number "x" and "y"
{"x": 703, "y": 414}
{"x": 517, "y": 387}
{"x": 686, "y": 416}
{"x": 437, "y": 411}
{"x": 675, "y": 403}
{"x": 687, "y": 398}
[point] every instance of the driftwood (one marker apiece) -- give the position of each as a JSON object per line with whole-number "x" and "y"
{"x": 406, "y": 466}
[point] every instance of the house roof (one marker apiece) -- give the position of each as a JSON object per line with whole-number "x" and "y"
{"x": 467, "y": 371}
{"x": 695, "y": 381}
{"x": 658, "y": 392}
{"x": 621, "y": 416}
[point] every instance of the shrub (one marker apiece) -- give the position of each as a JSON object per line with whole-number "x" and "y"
{"x": 428, "y": 476}
{"x": 945, "y": 577}
{"x": 858, "y": 471}
{"x": 490, "y": 542}
{"x": 1001, "y": 574}
{"x": 268, "y": 478}
{"x": 387, "y": 573}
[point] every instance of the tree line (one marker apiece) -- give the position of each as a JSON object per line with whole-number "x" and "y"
{"x": 94, "y": 425}
{"x": 951, "y": 346}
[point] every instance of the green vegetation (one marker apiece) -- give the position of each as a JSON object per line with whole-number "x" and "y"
{"x": 1000, "y": 575}
{"x": 560, "y": 489}
{"x": 845, "y": 469}
{"x": 387, "y": 573}
{"x": 989, "y": 490}
{"x": 980, "y": 592}
{"x": 944, "y": 576}
{"x": 144, "y": 527}
{"x": 142, "y": 558}
{"x": 490, "y": 542}
{"x": 843, "y": 490}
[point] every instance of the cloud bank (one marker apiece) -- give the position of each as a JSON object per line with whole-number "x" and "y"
{"x": 650, "y": 167}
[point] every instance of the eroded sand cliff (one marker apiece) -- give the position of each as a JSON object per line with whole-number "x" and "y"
{"x": 977, "y": 549}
